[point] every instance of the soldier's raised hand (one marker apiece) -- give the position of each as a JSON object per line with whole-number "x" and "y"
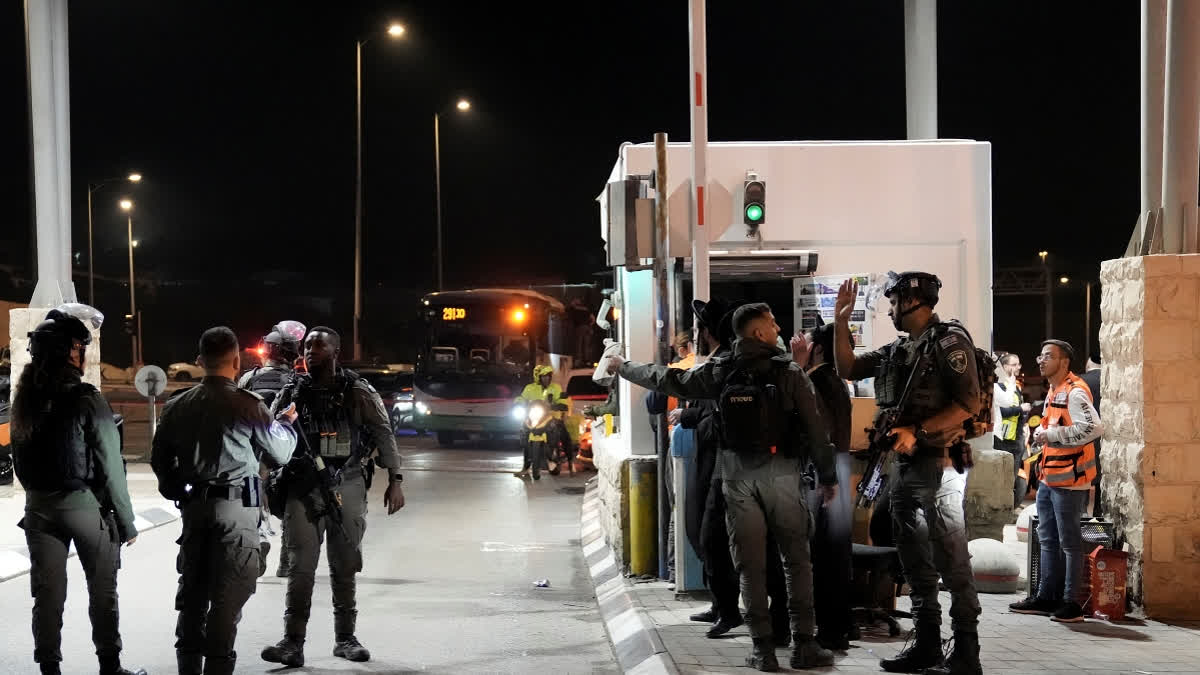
{"x": 846, "y": 297}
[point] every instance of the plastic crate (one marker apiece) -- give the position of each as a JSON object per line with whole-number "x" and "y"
{"x": 1095, "y": 533}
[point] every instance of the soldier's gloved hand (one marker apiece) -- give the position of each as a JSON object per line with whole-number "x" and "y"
{"x": 904, "y": 440}
{"x": 288, "y": 415}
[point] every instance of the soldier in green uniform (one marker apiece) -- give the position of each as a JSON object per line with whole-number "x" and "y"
{"x": 342, "y": 419}
{"x": 935, "y": 363}
{"x": 206, "y": 455}
{"x": 68, "y": 457}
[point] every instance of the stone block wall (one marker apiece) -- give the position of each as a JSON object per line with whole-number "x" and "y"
{"x": 611, "y": 462}
{"x": 988, "y": 503}
{"x": 21, "y": 322}
{"x": 1150, "y": 379}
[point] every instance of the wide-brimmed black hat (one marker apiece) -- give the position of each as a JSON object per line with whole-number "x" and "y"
{"x": 709, "y": 313}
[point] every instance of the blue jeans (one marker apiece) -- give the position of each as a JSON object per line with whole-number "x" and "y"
{"x": 1061, "y": 539}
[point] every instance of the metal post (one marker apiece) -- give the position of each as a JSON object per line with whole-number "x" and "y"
{"x": 153, "y": 417}
{"x": 358, "y": 206}
{"x": 1049, "y": 300}
{"x": 437, "y": 167}
{"x": 1154, "y": 51}
{"x": 920, "y": 67}
{"x": 91, "y": 280}
{"x": 662, "y": 321}
{"x": 141, "y": 351}
{"x": 1087, "y": 340}
{"x": 132, "y": 298}
{"x": 698, "y": 87}
{"x": 1181, "y": 127}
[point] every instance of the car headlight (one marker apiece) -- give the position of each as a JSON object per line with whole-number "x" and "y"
{"x": 422, "y": 408}
{"x": 518, "y": 412}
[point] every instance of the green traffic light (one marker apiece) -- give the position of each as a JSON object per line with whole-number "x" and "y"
{"x": 754, "y": 212}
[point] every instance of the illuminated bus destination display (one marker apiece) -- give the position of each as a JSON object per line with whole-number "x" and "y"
{"x": 453, "y": 313}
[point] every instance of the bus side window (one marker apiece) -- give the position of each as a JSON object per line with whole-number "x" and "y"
{"x": 445, "y": 356}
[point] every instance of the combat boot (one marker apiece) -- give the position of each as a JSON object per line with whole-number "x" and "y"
{"x": 808, "y": 654}
{"x": 348, "y": 647}
{"x": 112, "y": 666}
{"x": 190, "y": 664}
{"x": 964, "y": 659}
{"x": 925, "y": 651}
{"x": 50, "y": 668}
{"x": 289, "y": 651}
{"x": 762, "y": 657}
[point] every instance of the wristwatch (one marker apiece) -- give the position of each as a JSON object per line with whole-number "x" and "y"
{"x": 398, "y": 478}
{"x": 921, "y": 434}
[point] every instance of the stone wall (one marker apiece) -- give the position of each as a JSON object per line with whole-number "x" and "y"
{"x": 611, "y": 459}
{"x": 21, "y": 322}
{"x": 1150, "y": 379}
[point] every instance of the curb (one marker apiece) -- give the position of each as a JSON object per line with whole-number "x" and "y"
{"x": 15, "y": 562}
{"x": 638, "y": 648}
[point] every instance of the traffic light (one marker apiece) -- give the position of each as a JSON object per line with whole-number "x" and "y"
{"x": 754, "y": 203}
{"x": 129, "y": 327}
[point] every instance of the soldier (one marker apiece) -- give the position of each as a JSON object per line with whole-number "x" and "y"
{"x": 282, "y": 349}
{"x": 341, "y": 416}
{"x": 933, "y": 370}
{"x": 68, "y": 457}
{"x": 206, "y": 455}
{"x": 770, "y": 428}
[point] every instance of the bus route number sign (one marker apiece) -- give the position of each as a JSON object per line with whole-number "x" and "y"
{"x": 453, "y": 313}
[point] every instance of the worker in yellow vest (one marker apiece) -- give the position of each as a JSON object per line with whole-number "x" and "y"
{"x": 1067, "y": 435}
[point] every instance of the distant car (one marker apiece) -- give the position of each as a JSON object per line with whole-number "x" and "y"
{"x": 184, "y": 372}
{"x": 112, "y": 374}
{"x": 394, "y": 382}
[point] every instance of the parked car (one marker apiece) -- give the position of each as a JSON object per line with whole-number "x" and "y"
{"x": 111, "y": 374}
{"x": 394, "y": 382}
{"x": 184, "y": 372}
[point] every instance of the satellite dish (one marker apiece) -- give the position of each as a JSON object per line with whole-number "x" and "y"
{"x": 150, "y": 381}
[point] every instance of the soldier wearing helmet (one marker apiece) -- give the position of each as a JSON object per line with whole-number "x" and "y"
{"x": 928, "y": 378}
{"x": 67, "y": 453}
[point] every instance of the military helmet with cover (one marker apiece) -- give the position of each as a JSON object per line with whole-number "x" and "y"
{"x": 920, "y": 285}
{"x": 53, "y": 337}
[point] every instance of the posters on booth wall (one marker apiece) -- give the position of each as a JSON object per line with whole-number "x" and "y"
{"x": 816, "y": 298}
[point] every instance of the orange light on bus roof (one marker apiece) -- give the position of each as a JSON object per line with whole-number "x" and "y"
{"x": 518, "y": 316}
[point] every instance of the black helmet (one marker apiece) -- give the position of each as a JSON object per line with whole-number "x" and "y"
{"x": 921, "y": 285}
{"x": 283, "y": 342}
{"x": 53, "y": 337}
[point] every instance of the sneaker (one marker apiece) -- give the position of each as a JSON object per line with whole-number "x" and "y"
{"x": 348, "y": 647}
{"x": 1069, "y": 612}
{"x": 287, "y": 651}
{"x": 1034, "y": 605}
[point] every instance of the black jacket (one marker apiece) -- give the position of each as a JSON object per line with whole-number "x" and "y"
{"x": 834, "y": 401}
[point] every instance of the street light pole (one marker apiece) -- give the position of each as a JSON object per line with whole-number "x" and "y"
{"x": 133, "y": 339}
{"x": 437, "y": 164}
{"x": 91, "y": 280}
{"x": 358, "y": 200}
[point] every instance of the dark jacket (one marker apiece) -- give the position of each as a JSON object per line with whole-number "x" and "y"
{"x": 708, "y": 380}
{"x": 700, "y": 415}
{"x": 834, "y": 401}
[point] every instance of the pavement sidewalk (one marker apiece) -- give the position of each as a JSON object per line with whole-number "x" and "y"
{"x": 149, "y": 508}
{"x": 651, "y": 632}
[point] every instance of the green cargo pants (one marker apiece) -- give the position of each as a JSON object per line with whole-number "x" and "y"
{"x": 774, "y": 503}
{"x": 305, "y": 535}
{"x": 218, "y": 568}
{"x": 49, "y": 536}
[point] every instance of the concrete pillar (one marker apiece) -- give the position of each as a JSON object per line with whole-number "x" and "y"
{"x": 1150, "y": 403}
{"x": 1154, "y": 54}
{"x": 920, "y": 68}
{"x": 1181, "y": 138}
{"x": 50, "y": 111}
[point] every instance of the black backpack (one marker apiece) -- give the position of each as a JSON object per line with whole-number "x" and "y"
{"x": 752, "y": 413}
{"x": 57, "y": 456}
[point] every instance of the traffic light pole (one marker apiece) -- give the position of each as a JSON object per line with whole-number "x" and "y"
{"x": 697, "y": 37}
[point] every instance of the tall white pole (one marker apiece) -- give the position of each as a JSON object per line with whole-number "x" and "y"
{"x": 133, "y": 339}
{"x": 1181, "y": 139}
{"x": 358, "y": 199}
{"x": 698, "y": 88}
{"x": 920, "y": 68}
{"x": 437, "y": 171}
{"x": 50, "y": 104}
{"x": 1154, "y": 54}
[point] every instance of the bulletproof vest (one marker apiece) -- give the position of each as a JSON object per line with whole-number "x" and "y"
{"x": 267, "y": 382}
{"x": 325, "y": 417}
{"x": 752, "y": 409}
{"x": 56, "y": 457}
{"x": 926, "y": 395}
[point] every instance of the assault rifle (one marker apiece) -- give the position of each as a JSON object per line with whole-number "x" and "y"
{"x": 880, "y": 437}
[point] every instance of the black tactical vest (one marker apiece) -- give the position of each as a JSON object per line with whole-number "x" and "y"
{"x": 56, "y": 457}
{"x": 926, "y": 394}
{"x": 325, "y": 416}
{"x": 267, "y": 382}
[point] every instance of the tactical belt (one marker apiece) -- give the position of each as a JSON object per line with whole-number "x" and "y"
{"x": 247, "y": 492}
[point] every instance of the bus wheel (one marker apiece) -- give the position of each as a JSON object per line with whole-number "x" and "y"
{"x": 445, "y": 438}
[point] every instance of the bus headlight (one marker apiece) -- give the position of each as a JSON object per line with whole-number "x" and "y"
{"x": 422, "y": 409}
{"x": 518, "y": 412}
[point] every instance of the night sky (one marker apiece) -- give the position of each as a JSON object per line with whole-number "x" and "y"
{"x": 241, "y": 117}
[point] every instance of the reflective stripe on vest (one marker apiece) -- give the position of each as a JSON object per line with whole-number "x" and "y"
{"x": 1066, "y": 467}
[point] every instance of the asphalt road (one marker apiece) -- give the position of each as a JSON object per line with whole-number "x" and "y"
{"x": 447, "y": 584}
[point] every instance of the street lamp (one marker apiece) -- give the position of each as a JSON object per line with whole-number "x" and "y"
{"x": 127, "y": 207}
{"x": 1063, "y": 280}
{"x": 134, "y": 177}
{"x": 394, "y": 31}
{"x": 463, "y": 105}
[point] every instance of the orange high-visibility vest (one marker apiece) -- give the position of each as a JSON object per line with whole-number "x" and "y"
{"x": 1066, "y": 467}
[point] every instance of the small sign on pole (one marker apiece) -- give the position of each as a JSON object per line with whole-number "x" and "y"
{"x": 151, "y": 382}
